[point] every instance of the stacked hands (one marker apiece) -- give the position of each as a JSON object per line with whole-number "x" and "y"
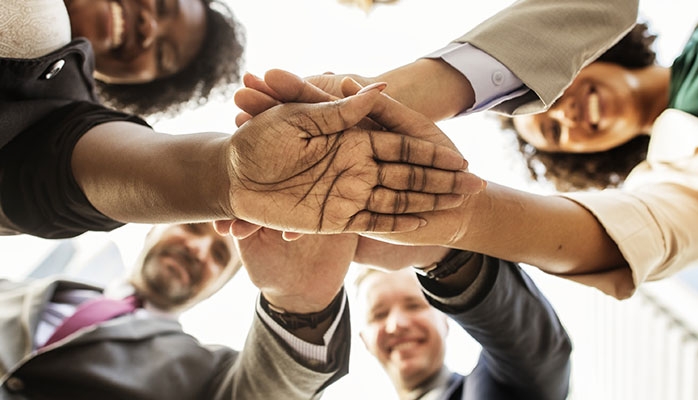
{"x": 377, "y": 168}
{"x": 369, "y": 164}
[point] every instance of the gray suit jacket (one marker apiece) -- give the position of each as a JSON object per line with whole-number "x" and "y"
{"x": 148, "y": 358}
{"x": 545, "y": 43}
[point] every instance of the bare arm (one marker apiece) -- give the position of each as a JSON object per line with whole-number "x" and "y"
{"x": 282, "y": 170}
{"x": 550, "y": 232}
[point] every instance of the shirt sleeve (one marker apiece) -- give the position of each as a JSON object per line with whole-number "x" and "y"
{"x": 310, "y": 352}
{"x": 652, "y": 217}
{"x": 38, "y": 191}
{"x": 492, "y": 82}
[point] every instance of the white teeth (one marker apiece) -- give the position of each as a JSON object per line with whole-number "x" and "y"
{"x": 593, "y": 107}
{"x": 404, "y": 346}
{"x": 117, "y": 24}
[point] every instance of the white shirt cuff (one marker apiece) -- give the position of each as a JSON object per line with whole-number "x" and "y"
{"x": 492, "y": 82}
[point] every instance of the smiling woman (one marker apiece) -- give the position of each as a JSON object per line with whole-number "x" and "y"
{"x": 597, "y": 131}
{"x": 160, "y": 56}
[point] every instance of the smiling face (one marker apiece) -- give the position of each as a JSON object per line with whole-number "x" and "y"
{"x": 401, "y": 329}
{"x": 599, "y": 111}
{"x": 184, "y": 262}
{"x": 137, "y": 41}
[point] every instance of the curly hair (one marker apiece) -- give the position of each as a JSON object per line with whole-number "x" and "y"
{"x": 576, "y": 171}
{"x": 215, "y": 70}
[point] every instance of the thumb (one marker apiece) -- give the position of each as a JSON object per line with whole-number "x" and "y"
{"x": 291, "y": 88}
{"x": 332, "y": 117}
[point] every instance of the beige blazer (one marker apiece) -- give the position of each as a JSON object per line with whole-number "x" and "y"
{"x": 545, "y": 43}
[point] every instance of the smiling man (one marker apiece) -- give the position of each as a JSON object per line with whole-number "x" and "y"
{"x": 404, "y": 325}
{"x": 139, "y": 350}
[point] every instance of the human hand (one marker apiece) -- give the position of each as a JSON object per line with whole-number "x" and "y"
{"x": 360, "y": 190}
{"x": 302, "y": 276}
{"x": 257, "y": 96}
{"x": 388, "y": 256}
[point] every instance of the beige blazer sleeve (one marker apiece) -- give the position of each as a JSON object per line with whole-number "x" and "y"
{"x": 545, "y": 43}
{"x": 653, "y": 217}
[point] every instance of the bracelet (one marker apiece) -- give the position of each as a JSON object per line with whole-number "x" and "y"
{"x": 293, "y": 321}
{"x": 449, "y": 265}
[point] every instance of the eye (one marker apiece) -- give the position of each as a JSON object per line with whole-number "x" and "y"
{"x": 220, "y": 253}
{"x": 194, "y": 228}
{"x": 555, "y": 131}
{"x": 160, "y": 7}
{"x": 165, "y": 58}
{"x": 378, "y": 316}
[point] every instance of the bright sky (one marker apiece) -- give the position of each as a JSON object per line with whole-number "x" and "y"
{"x": 314, "y": 36}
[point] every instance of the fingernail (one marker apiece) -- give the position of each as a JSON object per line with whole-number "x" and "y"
{"x": 377, "y": 85}
{"x": 422, "y": 222}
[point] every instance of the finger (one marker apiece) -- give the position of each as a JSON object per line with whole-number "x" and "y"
{"x": 241, "y": 118}
{"x": 291, "y": 236}
{"x": 385, "y": 201}
{"x": 396, "y": 117}
{"x": 241, "y": 229}
{"x": 332, "y": 117}
{"x": 293, "y": 89}
{"x": 393, "y": 147}
{"x": 254, "y": 82}
{"x": 222, "y": 227}
{"x": 253, "y": 102}
{"x": 366, "y": 221}
{"x": 427, "y": 180}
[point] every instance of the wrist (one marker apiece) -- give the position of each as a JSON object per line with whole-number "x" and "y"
{"x": 294, "y": 321}
{"x": 450, "y": 264}
{"x": 231, "y": 158}
{"x": 431, "y": 86}
{"x": 454, "y": 274}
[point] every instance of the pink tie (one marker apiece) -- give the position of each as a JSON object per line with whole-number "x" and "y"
{"x": 93, "y": 312}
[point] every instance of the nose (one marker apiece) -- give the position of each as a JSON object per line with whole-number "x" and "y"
{"x": 565, "y": 112}
{"x": 396, "y": 321}
{"x": 147, "y": 28}
{"x": 200, "y": 247}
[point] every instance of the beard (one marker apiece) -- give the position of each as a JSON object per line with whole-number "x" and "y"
{"x": 172, "y": 275}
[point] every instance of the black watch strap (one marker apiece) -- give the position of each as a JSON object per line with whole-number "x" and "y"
{"x": 449, "y": 265}
{"x": 293, "y": 321}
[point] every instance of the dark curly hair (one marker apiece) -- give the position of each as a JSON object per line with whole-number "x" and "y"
{"x": 215, "y": 70}
{"x": 583, "y": 171}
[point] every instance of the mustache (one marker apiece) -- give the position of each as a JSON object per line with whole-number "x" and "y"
{"x": 187, "y": 259}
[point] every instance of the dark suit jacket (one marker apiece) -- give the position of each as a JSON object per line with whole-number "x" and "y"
{"x": 525, "y": 349}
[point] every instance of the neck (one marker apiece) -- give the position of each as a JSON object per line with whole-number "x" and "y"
{"x": 653, "y": 93}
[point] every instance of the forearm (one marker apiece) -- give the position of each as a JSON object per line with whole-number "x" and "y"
{"x": 525, "y": 347}
{"x": 430, "y": 86}
{"x": 301, "y": 281}
{"x": 132, "y": 174}
{"x": 549, "y": 232}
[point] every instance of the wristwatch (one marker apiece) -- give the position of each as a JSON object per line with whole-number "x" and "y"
{"x": 292, "y": 321}
{"x": 449, "y": 265}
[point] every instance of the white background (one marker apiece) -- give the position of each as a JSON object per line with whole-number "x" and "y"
{"x": 314, "y": 36}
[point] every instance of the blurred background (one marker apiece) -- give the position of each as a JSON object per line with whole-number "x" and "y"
{"x": 642, "y": 348}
